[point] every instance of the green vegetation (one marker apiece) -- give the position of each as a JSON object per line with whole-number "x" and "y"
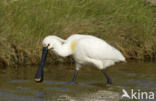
{"x": 129, "y": 25}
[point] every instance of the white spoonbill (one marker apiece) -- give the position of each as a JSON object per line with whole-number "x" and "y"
{"x": 85, "y": 49}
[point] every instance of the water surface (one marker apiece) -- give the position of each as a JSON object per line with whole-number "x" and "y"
{"x": 17, "y": 84}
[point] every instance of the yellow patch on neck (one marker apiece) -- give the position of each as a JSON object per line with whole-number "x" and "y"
{"x": 73, "y": 45}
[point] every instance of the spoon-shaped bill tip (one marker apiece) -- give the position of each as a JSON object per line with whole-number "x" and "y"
{"x": 38, "y": 80}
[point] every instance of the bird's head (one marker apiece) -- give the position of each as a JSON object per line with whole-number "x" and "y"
{"x": 49, "y": 42}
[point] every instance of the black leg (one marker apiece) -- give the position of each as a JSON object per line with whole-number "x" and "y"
{"x": 75, "y": 75}
{"x": 109, "y": 81}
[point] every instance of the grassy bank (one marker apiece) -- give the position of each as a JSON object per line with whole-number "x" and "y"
{"x": 129, "y": 25}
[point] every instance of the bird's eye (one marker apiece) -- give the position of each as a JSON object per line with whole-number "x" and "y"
{"x": 48, "y": 44}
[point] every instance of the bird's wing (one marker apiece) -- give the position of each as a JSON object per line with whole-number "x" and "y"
{"x": 99, "y": 49}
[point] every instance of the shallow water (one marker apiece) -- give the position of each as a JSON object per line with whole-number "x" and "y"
{"x": 17, "y": 84}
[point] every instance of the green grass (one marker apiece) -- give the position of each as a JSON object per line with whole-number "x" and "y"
{"x": 129, "y": 25}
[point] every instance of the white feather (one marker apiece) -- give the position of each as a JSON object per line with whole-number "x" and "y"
{"x": 87, "y": 50}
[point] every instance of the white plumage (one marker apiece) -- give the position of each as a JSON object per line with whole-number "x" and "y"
{"x": 85, "y": 49}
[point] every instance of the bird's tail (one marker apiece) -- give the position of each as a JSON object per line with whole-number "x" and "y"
{"x": 123, "y": 59}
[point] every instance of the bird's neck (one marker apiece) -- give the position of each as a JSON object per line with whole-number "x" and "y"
{"x": 62, "y": 49}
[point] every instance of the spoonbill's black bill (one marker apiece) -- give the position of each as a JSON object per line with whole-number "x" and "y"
{"x": 39, "y": 74}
